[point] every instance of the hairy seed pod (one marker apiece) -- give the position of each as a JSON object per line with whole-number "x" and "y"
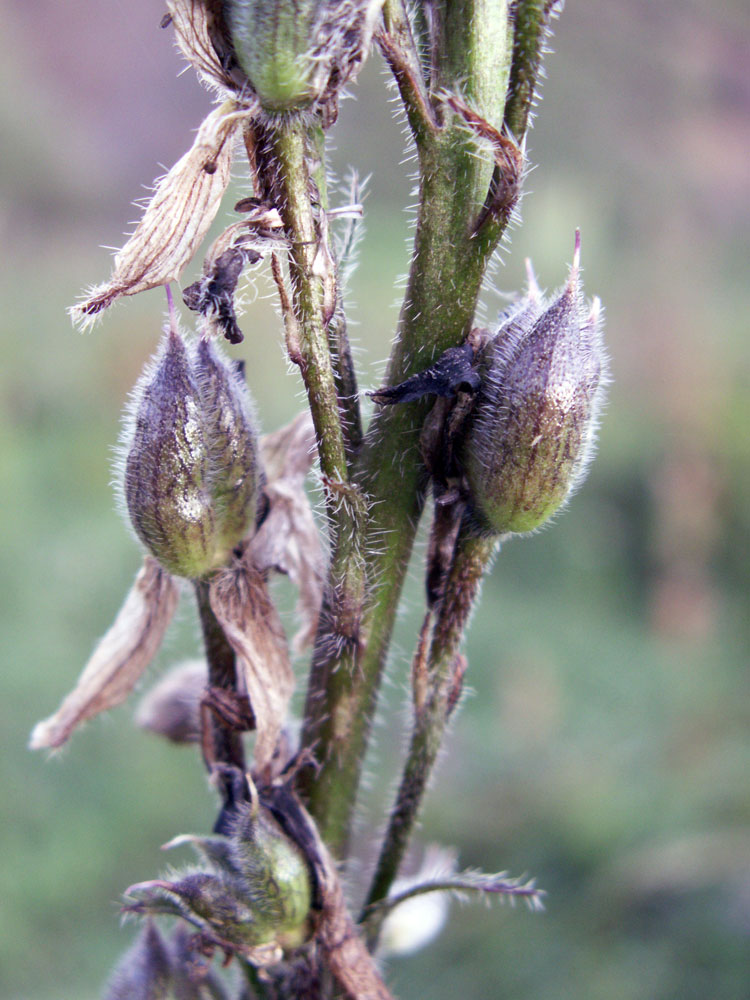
{"x": 533, "y": 430}
{"x": 189, "y": 494}
{"x": 232, "y": 444}
{"x": 275, "y": 872}
{"x": 144, "y": 972}
{"x": 296, "y": 54}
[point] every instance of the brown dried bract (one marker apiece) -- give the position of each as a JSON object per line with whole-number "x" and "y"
{"x": 119, "y": 659}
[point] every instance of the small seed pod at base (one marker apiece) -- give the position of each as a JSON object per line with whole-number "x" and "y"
{"x": 275, "y": 872}
{"x": 533, "y": 429}
{"x": 297, "y": 53}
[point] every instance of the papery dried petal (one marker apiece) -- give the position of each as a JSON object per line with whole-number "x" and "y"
{"x": 239, "y": 599}
{"x": 176, "y": 219}
{"x": 288, "y": 540}
{"x": 193, "y": 22}
{"x": 120, "y": 657}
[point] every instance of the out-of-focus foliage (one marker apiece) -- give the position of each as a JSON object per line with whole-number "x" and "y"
{"x": 606, "y": 749}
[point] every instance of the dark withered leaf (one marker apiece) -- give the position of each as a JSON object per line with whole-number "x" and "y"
{"x": 213, "y": 293}
{"x": 453, "y": 372}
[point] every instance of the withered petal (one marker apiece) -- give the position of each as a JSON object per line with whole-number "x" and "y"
{"x": 241, "y": 603}
{"x": 119, "y": 659}
{"x": 288, "y": 540}
{"x": 176, "y": 219}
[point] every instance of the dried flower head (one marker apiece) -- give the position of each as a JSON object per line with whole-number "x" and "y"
{"x": 251, "y": 893}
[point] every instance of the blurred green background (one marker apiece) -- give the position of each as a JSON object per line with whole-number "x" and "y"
{"x": 606, "y": 745}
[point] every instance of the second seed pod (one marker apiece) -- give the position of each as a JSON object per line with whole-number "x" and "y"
{"x": 534, "y": 426}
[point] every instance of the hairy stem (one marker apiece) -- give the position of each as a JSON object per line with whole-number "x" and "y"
{"x": 445, "y": 278}
{"x": 531, "y": 29}
{"x": 224, "y": 744}
{"x": 437, "y": 678}
{"x": 311, "y": 272}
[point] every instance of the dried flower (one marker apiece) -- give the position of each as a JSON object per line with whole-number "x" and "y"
{"x": 119, "y": 659}
{"x": 532, "y": 432}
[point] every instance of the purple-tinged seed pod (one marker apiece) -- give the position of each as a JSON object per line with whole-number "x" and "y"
{"x": 534, "y": 425}
{"x": 167, "y": 469}
{"x": 144, "y": 972}
{"x": 232, "y": 443}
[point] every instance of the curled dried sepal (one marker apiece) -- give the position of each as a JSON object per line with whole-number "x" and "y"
{"x": 240, "y": 600}
{"x": 176, "y": 220}
{"x": 453, "y": 372}
{"x": 533, "y": 430}
{"x": 119, "y": 659}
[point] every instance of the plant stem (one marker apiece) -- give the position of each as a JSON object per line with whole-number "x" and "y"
{"x": 446, "y": 274}
{"x": 532, "y": 19}
{"x": 437, "y": 681}
{"x": 308, "y": 261}
{"x": 225, "y": 743}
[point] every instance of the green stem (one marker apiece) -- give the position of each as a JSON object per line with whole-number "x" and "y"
{"x": 436, "y": 685}
{"x": 290, "y": 146}
{"x": 531, "y": 30}
{"x": 446, "y": 274}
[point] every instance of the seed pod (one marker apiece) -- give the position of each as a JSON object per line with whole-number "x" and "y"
{"x": 232, "y": 444}
{"x": 275, "y": 872}
{"x": 189, "y": 495}
{"x": 296, "y": 54}
{"x": 533, "y": 429}
{"x": 167, "y": 469}
{"x": 144, "y": 972}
